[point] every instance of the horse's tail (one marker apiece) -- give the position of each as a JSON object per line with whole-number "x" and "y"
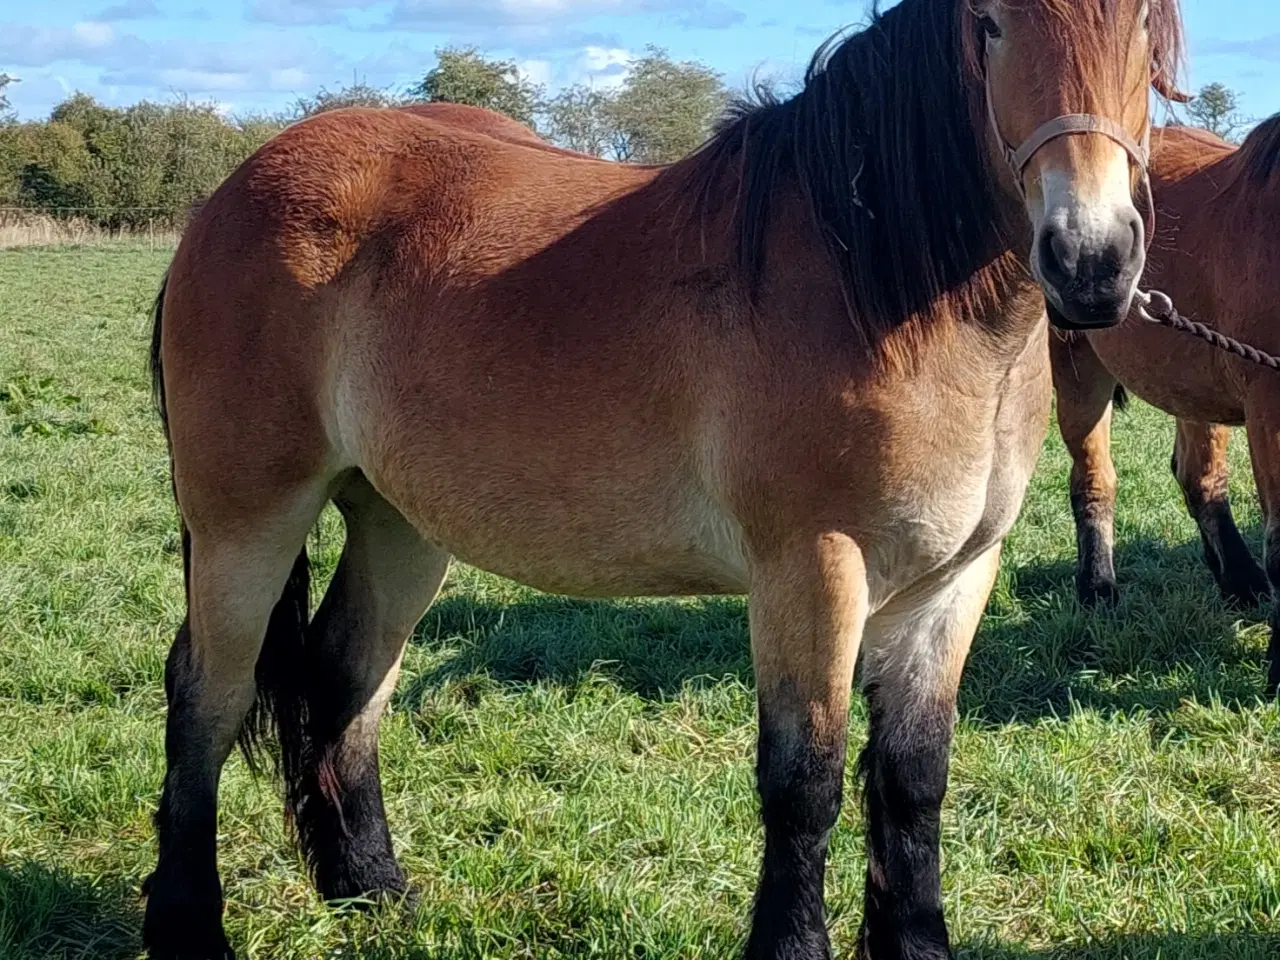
{"x": 280, "y": 705}
{"x": 156, "y": 361}
{"x": 1120, "y": 397}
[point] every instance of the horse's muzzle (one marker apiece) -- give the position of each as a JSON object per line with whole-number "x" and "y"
{"x": 1090, "y": 282}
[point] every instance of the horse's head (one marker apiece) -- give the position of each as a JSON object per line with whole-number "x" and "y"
{"x": 1065, "y": 83}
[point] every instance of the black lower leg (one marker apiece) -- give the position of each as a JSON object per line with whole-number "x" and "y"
{"x": 184, "y": 897}
{"x": 800, "y": 779}
{"x": 342, "y": 824}
{"x": 1095, "y": 571}
{"x": 1238, "y": 575}
{"x": 335, "y": 788}
{"x": 905, "y": 767}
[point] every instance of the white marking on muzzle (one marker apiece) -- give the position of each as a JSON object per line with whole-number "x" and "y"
{"x": 1091, "y": 209}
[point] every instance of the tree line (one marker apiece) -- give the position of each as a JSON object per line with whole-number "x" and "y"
{"x": 125, "y": 166}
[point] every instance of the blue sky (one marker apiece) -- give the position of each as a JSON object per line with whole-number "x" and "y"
{"x": 251, "y": 55}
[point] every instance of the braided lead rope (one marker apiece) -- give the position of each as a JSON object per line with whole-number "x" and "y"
{"x": 1156, "y": 307}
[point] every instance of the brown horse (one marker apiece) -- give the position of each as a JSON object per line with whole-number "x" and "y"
{"x": 807, "y": 363}
{"x": 1217, "y": 255}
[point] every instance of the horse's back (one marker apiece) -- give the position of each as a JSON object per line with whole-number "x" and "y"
{"x": 490, "y": 123}
{"x": 407, "y": 202}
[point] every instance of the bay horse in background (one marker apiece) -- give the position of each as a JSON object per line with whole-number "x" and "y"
{"x": 807, "y": 363}
{"x": 1217, "y": 254}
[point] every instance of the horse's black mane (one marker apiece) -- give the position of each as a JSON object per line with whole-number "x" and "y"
{"x": 883, "y": 145}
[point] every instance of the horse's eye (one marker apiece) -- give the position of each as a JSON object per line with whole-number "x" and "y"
{"x": 989, "y": 27}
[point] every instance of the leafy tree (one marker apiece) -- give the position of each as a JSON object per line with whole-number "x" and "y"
{"x": 1216, "y": 108}
{"x": 665, "y": 109}
{"x": 358, "y": 94}
{"x": 123, "y": 166}
{"x": 463, "y": 75}
{"x": 6, "y": 111}
{"x": 662, "y": 111}
{"x": 579, "y": 118}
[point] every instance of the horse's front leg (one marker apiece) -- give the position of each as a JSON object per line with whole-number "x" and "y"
{"x": 1085, "y": 390}
{"x": 808, "y": 606}
{"x": 915, "y": 652}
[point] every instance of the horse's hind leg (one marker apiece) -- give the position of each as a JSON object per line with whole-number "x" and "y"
{"x": 1200, "y": 464}
{"x": 240, "y": 588}
{"x": 1085, "y": 389}
{"x": 386, "y": 579}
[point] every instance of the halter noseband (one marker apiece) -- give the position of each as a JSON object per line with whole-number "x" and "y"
{"x": 1072, "y": 124}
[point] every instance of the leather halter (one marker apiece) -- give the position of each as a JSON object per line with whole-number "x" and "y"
{"x": 1073, "y": 124}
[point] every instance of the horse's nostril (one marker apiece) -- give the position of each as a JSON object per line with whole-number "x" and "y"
{"x": 1068, "y": 253}
{"x": 1136, "y": 246}
{"x": 1059, "y": 257}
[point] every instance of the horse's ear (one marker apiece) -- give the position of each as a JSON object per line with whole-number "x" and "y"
{"x": 1167, "y": 90}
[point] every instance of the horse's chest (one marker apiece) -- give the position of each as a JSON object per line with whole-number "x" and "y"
{"x": 962, "y": 491}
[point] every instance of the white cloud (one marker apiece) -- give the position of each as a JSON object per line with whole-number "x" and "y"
{"x": 93, "y": 35}
{"x": 288, "y": 78}
{"x": 292, "y": 13}
{"x": 26, "y": 45}
{"x": 130, "y": 10}
{"x": 1260, "y": 48}
{"x": 597, "y": 66}
{"x": 524, "y": 25}
{"x": 182, "y": 80}
{"x": 256, "y": 62}
{"x": 602, "y": 58}
{"x": 535, "y": 71}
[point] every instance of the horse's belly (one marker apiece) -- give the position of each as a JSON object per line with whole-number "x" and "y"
{"x": 1169, "y": 370}
{"x": 629, "y": 535}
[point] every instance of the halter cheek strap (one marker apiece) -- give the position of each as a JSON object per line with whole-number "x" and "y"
{"x": 1073, "y": 124}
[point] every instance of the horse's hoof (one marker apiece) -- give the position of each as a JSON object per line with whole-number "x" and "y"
{"x": 1099, "y": 593}
{"x": 371, "y": 892}
{"x": 1247, "y": 595}
{"x": 184, "y": 932}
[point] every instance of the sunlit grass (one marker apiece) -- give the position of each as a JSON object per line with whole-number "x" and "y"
{"x": 572, "y": 779}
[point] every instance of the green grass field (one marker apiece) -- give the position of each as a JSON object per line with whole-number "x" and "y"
{"x": 569, "y": 779}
